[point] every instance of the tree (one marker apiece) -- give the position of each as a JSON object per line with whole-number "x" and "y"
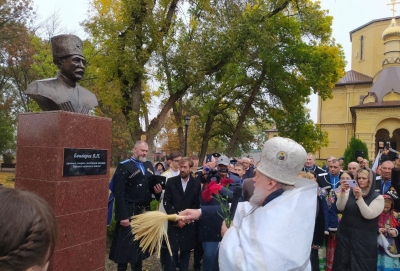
{"x": 354, "y": 145}
{"x": 6, "y": 130}
{"x": 297, "y": 125}
{"x": 255, "y": 57}
{"x": 282, "y": 54}
{"x": 14, "y": 15}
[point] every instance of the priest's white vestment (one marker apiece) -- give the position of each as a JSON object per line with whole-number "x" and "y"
{"x": 274, "y": 237}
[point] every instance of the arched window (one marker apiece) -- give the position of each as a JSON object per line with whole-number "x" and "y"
{"x": 362, "y": 48}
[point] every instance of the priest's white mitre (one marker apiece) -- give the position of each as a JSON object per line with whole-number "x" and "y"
{"x": 276, "y": 237}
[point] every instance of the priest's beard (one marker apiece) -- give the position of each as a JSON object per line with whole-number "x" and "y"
{"x": 257, "y": 199}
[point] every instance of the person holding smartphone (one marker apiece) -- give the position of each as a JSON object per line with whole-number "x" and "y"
{"x": 361, "y": 206}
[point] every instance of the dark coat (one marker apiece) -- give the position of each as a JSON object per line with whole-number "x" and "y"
{"x": 132, "y": 197}
{"x": 248, "y": 189}
{"x": 176, "y": 200}
{"x": 319, "y": 229}
{"x": 324, "y": 181}
{"x": 393, "y": 192}
{"x": 315, "y": 168}
{"x": 331, "y": 218}
{"x": 357, "y": 248}
{"x": 249, "y": 173}
{"x": 211, "y": 222}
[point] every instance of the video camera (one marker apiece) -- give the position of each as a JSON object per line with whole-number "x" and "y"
{"x": 211, "y": 175}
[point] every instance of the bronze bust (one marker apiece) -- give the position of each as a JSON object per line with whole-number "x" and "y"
{"x": 63, "y": 92}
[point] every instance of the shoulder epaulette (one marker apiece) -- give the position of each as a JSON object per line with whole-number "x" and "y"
{"x": 320, "y": 168}
{"x": 165, "y": 172}
{"x": 378, "y": 178}
{"x": 323, "y": 174}
{"x": 124, "y": 162}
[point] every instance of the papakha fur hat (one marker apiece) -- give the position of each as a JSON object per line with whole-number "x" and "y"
{"x": 66, "y": 45}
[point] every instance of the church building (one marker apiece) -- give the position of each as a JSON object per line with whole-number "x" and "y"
{"x": 366, "y": 101}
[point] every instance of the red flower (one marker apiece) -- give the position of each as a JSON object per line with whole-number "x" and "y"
{"x": 226, "y": 181}
{"x": 206, "y": 194}
{"x": 212, "y": 189}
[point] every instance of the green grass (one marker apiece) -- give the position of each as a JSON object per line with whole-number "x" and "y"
{"x": 7, "y": 178}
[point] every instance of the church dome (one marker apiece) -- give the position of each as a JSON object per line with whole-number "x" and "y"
{"x": 392, "y": 31}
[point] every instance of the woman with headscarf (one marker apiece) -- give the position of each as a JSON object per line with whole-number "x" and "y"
{"x": 357, "y": 234}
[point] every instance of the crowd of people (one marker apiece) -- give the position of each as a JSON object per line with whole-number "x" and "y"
{"x": 183, "y": 190}
{"x": 350, "y": 209}
{"x": 355, "y": 206}
{"x": 293, "y": 215}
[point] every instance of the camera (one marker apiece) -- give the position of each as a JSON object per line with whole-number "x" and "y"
{"x": 211, "y": 175}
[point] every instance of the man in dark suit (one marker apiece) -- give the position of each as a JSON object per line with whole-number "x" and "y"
{"x": 249, "y": 172}
{"x": 132, "y": 197}
{"x": 181, "y": 192}
{"x": 330, "y": 181}
{"x": 384, "y": 183}
{"x": 310, "y": 165}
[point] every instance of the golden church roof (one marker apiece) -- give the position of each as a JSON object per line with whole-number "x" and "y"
{"x": 393, "y": 30}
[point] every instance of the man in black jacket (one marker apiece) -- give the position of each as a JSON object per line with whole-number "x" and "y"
{"x": 384, "y": 184}
{"x": 181, "y": 192}
{"x": 310, "y": 165}
{"x": 132, "y": 197}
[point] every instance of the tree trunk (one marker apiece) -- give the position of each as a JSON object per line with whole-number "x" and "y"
{"x": 254, "y": 90}
{"x": 178, "y": 120}
{"x": 206, "y": 138}
{"x": 152, "y": 148}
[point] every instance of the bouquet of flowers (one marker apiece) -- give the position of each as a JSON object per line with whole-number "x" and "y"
{"x": 213, "y": 190}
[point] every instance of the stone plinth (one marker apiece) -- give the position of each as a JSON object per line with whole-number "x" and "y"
{"x": 79, "y": 202}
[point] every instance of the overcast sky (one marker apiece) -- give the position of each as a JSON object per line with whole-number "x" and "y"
{"x": 347, "y": 14}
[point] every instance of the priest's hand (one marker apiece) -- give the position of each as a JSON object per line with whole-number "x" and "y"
{"x": 224, "y": 228}
{"x": 190, "y": 214}
{"x": 157, "y": 189}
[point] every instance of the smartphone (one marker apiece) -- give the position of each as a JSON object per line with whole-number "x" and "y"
{"x": 351, "y": 183}
{"x": 208, "y": 158}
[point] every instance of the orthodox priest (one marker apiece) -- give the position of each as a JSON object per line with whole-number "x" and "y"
{"x": 273, "y": 231}
{"x": 132, "y": 197}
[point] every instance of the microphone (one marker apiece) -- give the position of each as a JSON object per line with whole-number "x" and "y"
{"x": 236, "y": 196}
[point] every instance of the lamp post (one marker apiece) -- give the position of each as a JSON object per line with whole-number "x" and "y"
{"x": 187, "y": 119}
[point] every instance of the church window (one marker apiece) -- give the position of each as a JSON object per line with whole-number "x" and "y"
{"x": 391, "y": 96}
{"x": 362, "y": 48}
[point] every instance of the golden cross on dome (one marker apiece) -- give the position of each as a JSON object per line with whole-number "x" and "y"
{"x": 393, "y": 3}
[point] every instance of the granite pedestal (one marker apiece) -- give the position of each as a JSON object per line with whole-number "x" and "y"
{"x": 79, "y": 202}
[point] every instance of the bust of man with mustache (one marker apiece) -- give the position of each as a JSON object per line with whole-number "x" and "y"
{"x": 63, "y": 92}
